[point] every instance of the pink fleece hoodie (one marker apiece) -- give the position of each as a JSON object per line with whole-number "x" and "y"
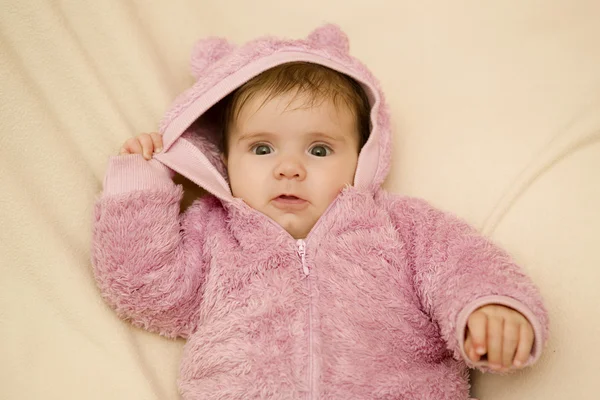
{"x": 371, "y": 305}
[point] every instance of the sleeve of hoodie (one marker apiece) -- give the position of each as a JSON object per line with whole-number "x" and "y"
{"x": 457, "y": 270}
{"x": 146, "y": 256}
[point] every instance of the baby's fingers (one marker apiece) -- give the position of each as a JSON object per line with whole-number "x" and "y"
{"x": 510, "y": 342}
{"x": 494, "y": 342}
{"x": 147, "y": 145}
{"x": 525, "y": 345}
{"x": 477, "y": 327}
{"x": 157, "y": 141}
{"x": 131, "y": 146}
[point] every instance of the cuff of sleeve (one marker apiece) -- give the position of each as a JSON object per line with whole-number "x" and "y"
{"x": 463, "y": 316}
{"x": 131, "y": 172}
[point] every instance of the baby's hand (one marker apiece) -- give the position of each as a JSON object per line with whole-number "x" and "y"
{"x": 502, "y": 333}
{"x": 145, "y": 144}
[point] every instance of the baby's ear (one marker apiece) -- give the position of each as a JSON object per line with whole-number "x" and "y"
{"x": 330, "y": 35}
{"x": 224, "y": 159}
{"x": 208, "y": 51}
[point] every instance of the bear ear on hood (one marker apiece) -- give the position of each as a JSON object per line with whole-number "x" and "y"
{"x": 208, "y": 51}
{"x": 330, "y": 36}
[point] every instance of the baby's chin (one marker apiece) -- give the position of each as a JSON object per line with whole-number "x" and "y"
{"x": 297, "y": 229}
{"x": 297, "y": 232}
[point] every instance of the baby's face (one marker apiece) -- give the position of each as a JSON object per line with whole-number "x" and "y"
{"x": 290, "y": 161}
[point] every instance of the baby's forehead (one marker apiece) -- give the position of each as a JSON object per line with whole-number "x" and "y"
{"x": 298, "y": 108}
{"x": 267, "y": 109}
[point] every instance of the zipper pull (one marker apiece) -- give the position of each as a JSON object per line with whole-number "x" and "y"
{"x": 302, "y": 252}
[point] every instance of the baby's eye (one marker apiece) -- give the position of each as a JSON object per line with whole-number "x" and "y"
{"x": 261, "y": 149}
{"x": 320, "y": 151}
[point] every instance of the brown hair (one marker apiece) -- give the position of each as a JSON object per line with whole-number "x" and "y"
{"x": 320, "y": 82}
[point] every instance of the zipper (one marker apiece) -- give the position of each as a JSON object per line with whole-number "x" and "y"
{"x": 301, "y": 245}
{"x": 302, "y": 252}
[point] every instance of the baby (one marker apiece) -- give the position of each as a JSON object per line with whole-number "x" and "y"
{"x": 298, "y": 276}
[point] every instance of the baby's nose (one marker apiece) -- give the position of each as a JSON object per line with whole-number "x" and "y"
{"x": 290, "y": 169}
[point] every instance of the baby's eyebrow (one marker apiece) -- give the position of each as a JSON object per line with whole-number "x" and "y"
{"x": 247, "y": 136}
{"x": 323, "y": 135}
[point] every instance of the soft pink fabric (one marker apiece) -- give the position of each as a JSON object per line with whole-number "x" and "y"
{"x": 391, "y": 280}
{"x": 132, "y": 172}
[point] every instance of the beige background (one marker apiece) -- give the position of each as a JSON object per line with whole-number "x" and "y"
{"x": 497, "y": 118}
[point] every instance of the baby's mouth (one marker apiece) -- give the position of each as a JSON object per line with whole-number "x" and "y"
{"x": 288, "y": 200}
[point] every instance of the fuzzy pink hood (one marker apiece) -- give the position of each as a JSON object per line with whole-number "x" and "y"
{"x": 220, "y": 68}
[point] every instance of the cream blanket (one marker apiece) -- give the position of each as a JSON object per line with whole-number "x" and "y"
{"x": 497, "y": 118}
